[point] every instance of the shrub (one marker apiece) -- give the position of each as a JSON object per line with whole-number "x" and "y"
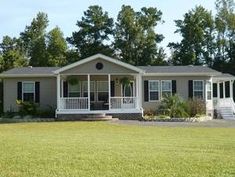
{"x": 150, "y": 113}
{"x": 27, "y": 108}
{"x": 196, "y": 107}
{"x": 174, "y": 106}
{"x": 48, "y": 112}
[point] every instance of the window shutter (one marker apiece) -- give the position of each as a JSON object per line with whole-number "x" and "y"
{"x": 146, "y": 91}
{"x": 65, "y": 89}
{"x": 112, "y": 84}
{"x": 19, "y": 90}
{"x": 173, "y": 87}
{"x": 215, "y": 90}
{"x": 37, "y": 92}
{"x": 221, "y": 89}
{"x": 190, "y": 89}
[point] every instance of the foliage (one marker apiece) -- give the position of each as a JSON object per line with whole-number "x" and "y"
{"x": 135, "y": 38}
{"x": 125, "y": 81}
{"x": 150, "y": 112}
{"x": 56, "y": 48}
{"x": 34, "y": 40}
{"x": 94, "y": 31}
{"x": 196, "y": 107}
{"x": 174, "y": 106}
{"x": 196, "y": 46}
{"x": 48, "y": 112}
{"x": 73, "y": 80}
{"x": 12, "y": 54}
{"x": 27, "y": 108}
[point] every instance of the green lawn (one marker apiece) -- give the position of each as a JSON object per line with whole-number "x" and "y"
{"x": 104, "y": 149}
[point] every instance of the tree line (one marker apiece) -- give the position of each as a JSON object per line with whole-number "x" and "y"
{"x": 207, "y": 39}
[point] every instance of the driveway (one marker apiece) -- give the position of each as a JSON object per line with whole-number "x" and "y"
{"x": 211, "y": 123}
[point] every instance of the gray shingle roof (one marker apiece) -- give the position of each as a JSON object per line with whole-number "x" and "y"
{"x": 178, "y": 69}
{"x": 31, "y": 71}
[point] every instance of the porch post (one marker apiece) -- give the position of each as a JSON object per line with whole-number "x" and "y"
{"x": 58, "y": 91}
{"x": 218, "y": 91}
{"x": 140, "y": 90}
{"x": 88, "y": 91}
{"x": 224, "y": 89}
{"x": 231, "y": 89}
{"x": 137, "y": 91}
{"x": 109, "y": 84}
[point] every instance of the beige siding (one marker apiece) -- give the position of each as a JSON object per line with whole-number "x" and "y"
{"x": 90, "y": 68}
{"x": 181, "y": 87}
{"x": 47, "y": 92}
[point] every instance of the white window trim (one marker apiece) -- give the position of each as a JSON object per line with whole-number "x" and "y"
{"x": 211, "y": 90}
{"x": 203, "y": 88}
{"x": 28, "y": 82}
{"x": 154, "y": 90}
{"x": 166, "y": 90}
{"x": 97, "y": 90}
{"x": 74, "y": 91}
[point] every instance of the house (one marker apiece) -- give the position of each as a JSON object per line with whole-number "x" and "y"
{"x": 97, "y": 85}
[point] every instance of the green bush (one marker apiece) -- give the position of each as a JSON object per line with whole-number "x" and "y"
{"x": 196, "y": 107}
{"x": 174, "y": 107}
{"x": 27, "y": 108}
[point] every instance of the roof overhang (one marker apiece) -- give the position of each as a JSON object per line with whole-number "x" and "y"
{"x": 25, "y": 75}
{"x": 109, "y": 59}
{"x": 181, "y": 74}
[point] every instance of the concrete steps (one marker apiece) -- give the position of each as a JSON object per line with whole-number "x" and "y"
{"x": 226, "y": 113}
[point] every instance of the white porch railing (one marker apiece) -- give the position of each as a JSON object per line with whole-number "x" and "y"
{"x": 226, "y": 102}
{"x": 79, "y": 103}
{"x": 123, "y": 102}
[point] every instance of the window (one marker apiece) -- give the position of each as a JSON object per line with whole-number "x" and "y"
{"x": 153, "y": 90}
{"x": 92, "y": 90}
{"x": 102, "y": 91}
{"x": 75, "y": 90}
{"x": 198, "y": 89}
{"x": 28, "y": 91}
{"x": 208, "y": 90}
{"x": 166, "y": 88}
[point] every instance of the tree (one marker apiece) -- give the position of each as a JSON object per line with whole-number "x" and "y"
{"x": 34, "y": 40}
{"x": 56, "y": 48}
{"x": 197, "y": 44}
{"x": 11, "y": 54}
{"x": 135, "y": 36}
{"x": 94, "y": 32}
{"x": 225, "y": 31}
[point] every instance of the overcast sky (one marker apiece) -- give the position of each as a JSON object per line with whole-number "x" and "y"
{"x": 16, "y": 14}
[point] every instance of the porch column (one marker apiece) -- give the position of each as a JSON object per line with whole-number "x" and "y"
{"x": 231, "y": 89}
{"x": 58, "y": 91}
{"x": 88, "y": 91}
{"x": 137, "y": 91}
{"x": 109, "y": 84}
{"x": 224, "y": 96}
{"x": 140, "y": 90}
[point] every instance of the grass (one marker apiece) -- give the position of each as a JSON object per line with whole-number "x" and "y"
{"x": 102, "y": 149}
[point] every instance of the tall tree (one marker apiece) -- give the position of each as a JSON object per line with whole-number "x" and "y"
{"x": 135, "y": 36}
{"x": 94, "y": 32}
{"x": 56, "y": 48}
{"x": 197, "y": 44}
{"x": 225, "y": 30}
{"x": 11, "y": 54}
{"x": 34, "y": 40}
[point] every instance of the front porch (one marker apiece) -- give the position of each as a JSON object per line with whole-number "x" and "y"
{"x": 98, "y": 93}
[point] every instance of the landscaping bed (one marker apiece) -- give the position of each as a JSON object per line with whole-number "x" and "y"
{"x": 168, "y": 119}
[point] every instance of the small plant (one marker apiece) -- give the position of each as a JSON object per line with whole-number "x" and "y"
{"x": 196, "y": 107}
{"x": 72, "y": 80}
{"x": 125, "y": 81}
{"x": 174, "y": 106}
{"x": 27, "y": 108}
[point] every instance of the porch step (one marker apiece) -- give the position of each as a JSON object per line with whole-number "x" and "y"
{"x": 85, "y": 117}
{"x": 226, "y": 113}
